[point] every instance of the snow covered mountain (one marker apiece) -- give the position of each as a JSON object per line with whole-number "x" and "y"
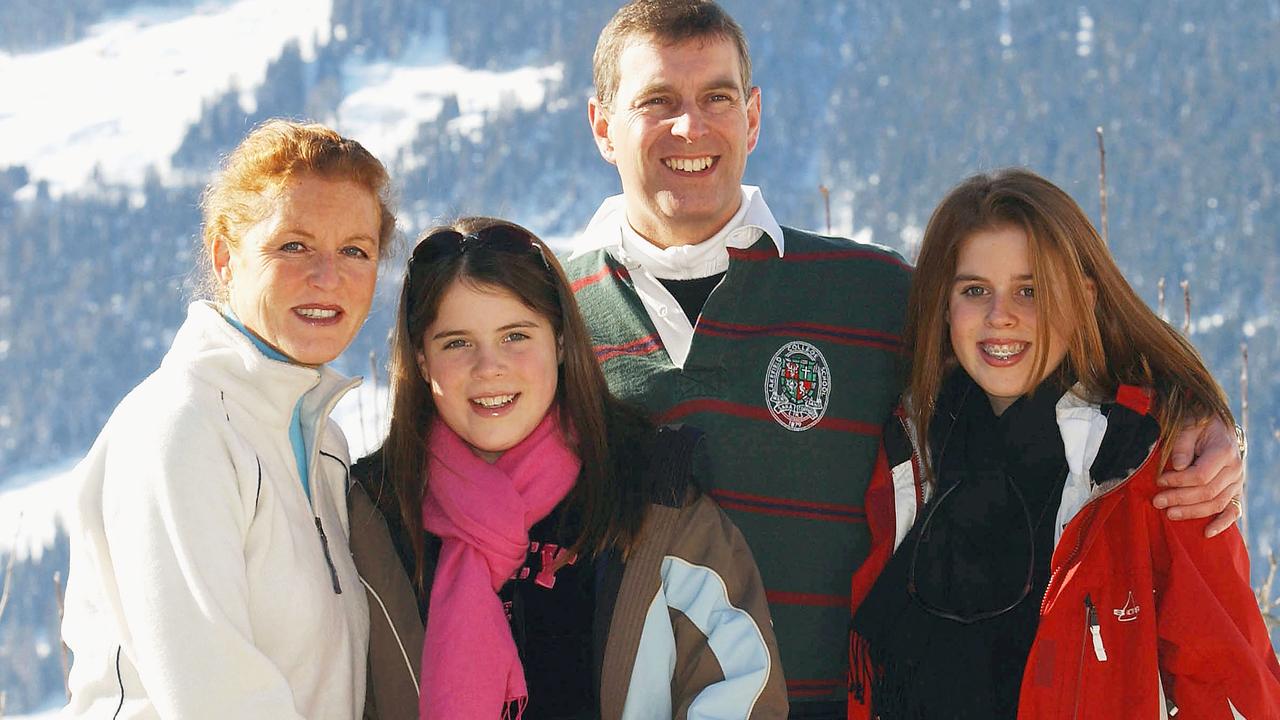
{"x": 114, "y": 112}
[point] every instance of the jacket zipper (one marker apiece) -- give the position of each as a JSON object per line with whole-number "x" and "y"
{"x": 916, "y": 461}
{"x": 1092, "y": 508}
{"x": 324, "y": 545}
{"x": 314, "y": 455}
{"x": 1093, "y": 632}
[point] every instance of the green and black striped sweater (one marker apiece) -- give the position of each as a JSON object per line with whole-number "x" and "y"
{"x": 794, "y": 365}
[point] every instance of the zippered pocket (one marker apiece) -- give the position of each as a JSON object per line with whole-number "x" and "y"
{"x": 1095, "y": 629}
{"x": 1092, "y": 638}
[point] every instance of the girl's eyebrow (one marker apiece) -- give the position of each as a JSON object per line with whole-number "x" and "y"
{"x": 966, "y": 277}
{"x": 510, "y": 326}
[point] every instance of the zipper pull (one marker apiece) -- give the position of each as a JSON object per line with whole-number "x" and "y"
{"x": 1095, "y": 629}
{"x": 324, "y": 545}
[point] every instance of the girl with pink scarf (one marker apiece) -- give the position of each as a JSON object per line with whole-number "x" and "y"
{"x": 553, "y": 543}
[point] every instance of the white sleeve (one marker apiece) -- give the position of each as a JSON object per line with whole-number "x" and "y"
{"x": 175, "y": 520}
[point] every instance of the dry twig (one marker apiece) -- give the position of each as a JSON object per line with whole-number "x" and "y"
{"x": 1244, "y": 427}
{"x": 375, "y": 411}
{"x": 1186, "y": 307}
{"x": 8, "y": 569}
{"x": 826, "y": 203}
{"x": 1266, "y": 601}
{"x": 1102, "y": 186}
{"x": 62, "y": 654}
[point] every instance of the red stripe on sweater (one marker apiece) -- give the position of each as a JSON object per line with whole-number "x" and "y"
{"x": 802, "y": 684}
{"x": 602, "y": 273}
{"x": 817, "y": 327}
{"x": 806, "y": 693}
{"x": 832, "y": 507}
{"x": 755, "y": 412}
{"x": 781, "y": 597}
{"x": 644, "y": 346}
{"x": 817, "y": 256}
{"x": 780, "y": 512}
{"x": 792, "y": 331}
{"x": 813, "y": 688}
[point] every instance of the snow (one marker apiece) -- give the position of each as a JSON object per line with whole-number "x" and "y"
{"x": 122, "y": 98}
{"x": 386, "y": 102}
{"x": 364, "y": 415}
{"x": 105, "y": 120}
{"x": 51, "y": 709}
{"x": 32, "y": 506}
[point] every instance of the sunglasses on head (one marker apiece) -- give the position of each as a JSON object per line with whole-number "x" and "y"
{"x": 498, "y": 238}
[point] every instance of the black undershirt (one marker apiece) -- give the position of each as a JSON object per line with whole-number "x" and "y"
{"x": 692, "y": 294}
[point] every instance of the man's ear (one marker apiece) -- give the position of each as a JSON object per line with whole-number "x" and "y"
{"x": 753, "y": 118}
{"x": 598, "y": 116}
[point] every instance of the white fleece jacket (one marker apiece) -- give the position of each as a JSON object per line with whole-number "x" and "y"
{"x": 203, "y": 582}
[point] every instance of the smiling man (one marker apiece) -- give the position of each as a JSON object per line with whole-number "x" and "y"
{"x": 780, "y": 344}
{"x": 784, "y": 346}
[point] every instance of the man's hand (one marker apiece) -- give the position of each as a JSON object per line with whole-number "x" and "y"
{"x": 1207, "y": 474}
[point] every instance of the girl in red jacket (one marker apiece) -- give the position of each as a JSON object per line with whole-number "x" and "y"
{"x": 1018, "y": 566}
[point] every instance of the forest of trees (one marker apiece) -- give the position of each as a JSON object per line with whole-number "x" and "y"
{"x": 885, "y": 104}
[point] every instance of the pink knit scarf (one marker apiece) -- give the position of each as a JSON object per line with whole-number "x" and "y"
{"x": 483, "y": 513}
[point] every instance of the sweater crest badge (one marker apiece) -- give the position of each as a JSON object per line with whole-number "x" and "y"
{"x": 797, "y": 386}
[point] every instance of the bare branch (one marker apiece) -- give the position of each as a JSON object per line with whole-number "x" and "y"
{"x": 8, "y": 569}
{"x": 1186, "y": 307}
{"x": 62, "y": 655}
{"x": 377, "y": 418}
{"x": 1102, "y": 186}
{"x": 826, "y": 203}
{"x": 1244, "y": 427}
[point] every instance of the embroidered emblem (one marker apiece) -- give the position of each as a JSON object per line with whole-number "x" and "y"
{"x": 797, "y": 386}
{"x": 1129, "y": 612}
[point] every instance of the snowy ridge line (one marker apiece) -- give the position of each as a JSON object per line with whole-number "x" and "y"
{"x": 105, "y": 117}
{"x": 105, "y": 124}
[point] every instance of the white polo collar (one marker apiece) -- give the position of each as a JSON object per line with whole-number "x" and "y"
{"x": 610, "y": 230}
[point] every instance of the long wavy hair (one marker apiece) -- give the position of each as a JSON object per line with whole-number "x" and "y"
{"x": 611, "y": 505}
{"x": 1121, "y": 342}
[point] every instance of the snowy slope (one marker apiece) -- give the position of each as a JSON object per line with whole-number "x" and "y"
{"x": 122, "y": 98}
{"x": 386, "y": 102}
{"x": 31, "y": 509}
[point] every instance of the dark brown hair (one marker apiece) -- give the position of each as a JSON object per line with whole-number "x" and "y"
{"x": 669, "y": 21}
{"x": 1121, "y": 342}
{"x": 271, "y": 155}
{"x": 611, "y": 506}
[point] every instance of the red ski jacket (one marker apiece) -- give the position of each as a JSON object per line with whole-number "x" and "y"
{"x": 1143, "y": 617}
